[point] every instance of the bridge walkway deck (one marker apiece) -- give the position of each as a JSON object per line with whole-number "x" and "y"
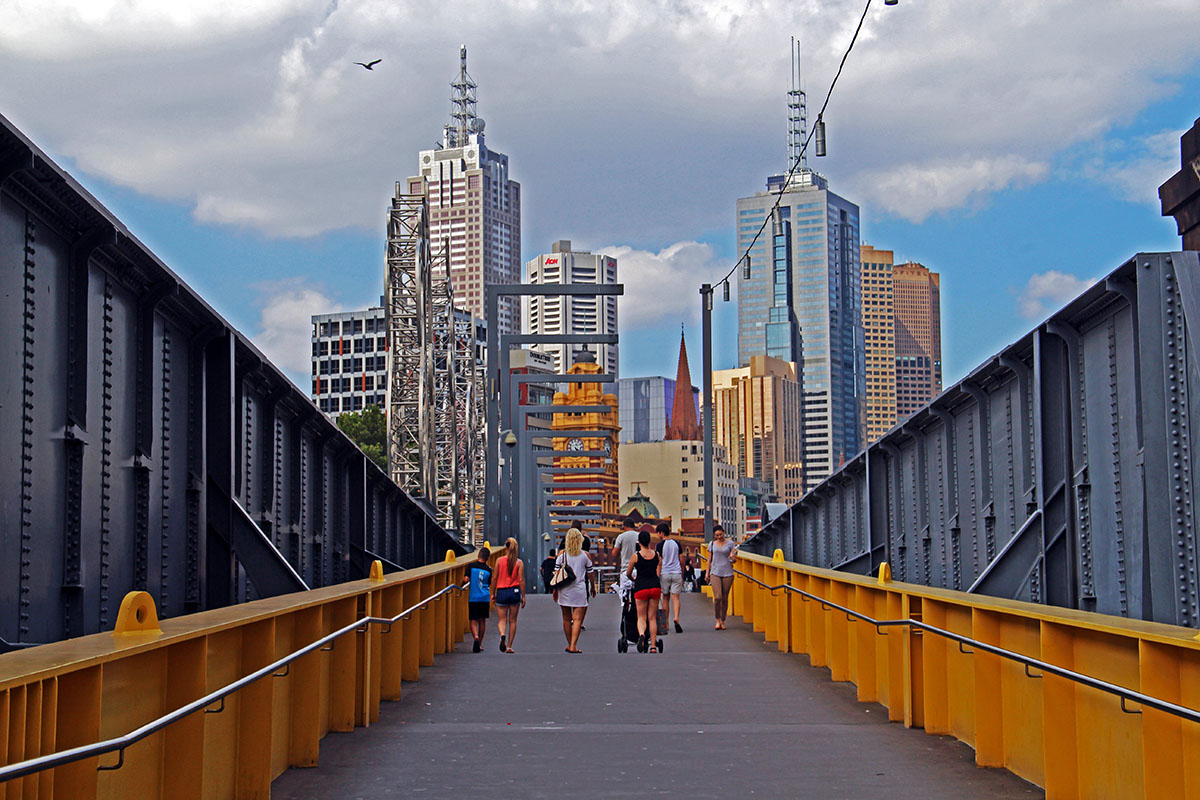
{"x": 718, "y": 714}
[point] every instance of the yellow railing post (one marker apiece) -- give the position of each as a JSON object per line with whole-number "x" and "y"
{"x": 410, "y": 658}
{"x": 1058, "y": 709}
{"x": 770, "y": 623}
{"x": 1170, "y": 767}
{"x": 307, "y": 691}
{"x": 428, "y": 621}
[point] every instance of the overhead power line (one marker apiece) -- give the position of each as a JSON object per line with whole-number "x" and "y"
{"x": 803, "y": 149}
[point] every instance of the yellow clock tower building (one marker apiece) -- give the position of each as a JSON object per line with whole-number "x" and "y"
{"x": 588, "y": 394}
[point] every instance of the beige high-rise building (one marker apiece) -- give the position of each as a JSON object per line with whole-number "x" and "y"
{"x": 756, "y": 411}
{"x": 918, "y": 323}
{"x": 473, "y": 206}
{"x": 879, "y": 335}
{"x": 671, "y": 473}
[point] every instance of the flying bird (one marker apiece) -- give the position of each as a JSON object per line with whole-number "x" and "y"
{"x": 370, "y": 66}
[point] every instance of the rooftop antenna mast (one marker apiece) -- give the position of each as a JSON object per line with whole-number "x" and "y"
{"x": 464, "y": 120}
{"x": 797, "y": 113}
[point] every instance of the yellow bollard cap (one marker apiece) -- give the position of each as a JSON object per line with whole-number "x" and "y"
{"x": 777, "y": 556}
{"x": 450, "y": 557}
{"x": 377, "y": 570}
{"x": 885, "y": 573}
{"x": 488, "y": 545}
{"x": 138, "y": 614}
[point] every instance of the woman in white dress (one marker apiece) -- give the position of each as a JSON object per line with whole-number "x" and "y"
{"x": 573, "y": 599}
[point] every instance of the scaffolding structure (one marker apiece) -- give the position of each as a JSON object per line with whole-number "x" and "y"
{"x": 436, "y": 405}
{"x": 410, "y": 406}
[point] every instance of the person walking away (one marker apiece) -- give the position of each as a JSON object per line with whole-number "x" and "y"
{"x": 624, "y": 547}
{"x": 573, "y": 599}
{"x": 672, "y": 574}
{"x": 548, "y": 570}
{"x": 509, "y": 594}
{"x": 721, "y": 554}
{"x": 645, "y": 569}
{"x": 479, "y": 595}
{"x": 689, "y": 572}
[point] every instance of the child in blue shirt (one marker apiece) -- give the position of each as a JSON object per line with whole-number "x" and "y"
{"x": 479, "y": 596}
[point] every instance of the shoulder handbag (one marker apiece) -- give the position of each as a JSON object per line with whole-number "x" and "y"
{"x": 563, "y": 576}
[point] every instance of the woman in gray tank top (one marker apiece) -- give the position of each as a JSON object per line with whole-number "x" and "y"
{"x": 720, "y": 573}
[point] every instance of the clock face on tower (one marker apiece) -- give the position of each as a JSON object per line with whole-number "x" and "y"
{"x": 575, "y": 444}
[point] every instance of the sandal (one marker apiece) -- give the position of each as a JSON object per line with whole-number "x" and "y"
{"x": 653, "y": 649}
{"x": 510, "y": 650}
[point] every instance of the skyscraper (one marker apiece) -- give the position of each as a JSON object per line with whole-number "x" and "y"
{"x": 802, "y": 301}
{"x": 646, "y": 405}
{"x": 879, "y": 332}
{"x": 570, "y": 315}
{"x": 918, "y": 314}
{"x": 756, "y": 411}
{"x": 473, "y": 207}
{"x": 810, "y": 309}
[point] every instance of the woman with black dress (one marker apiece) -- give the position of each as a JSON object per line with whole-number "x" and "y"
{"x": 646, "y": 569}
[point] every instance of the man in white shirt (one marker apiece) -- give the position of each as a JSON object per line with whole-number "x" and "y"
{"x": 672, "y": 573}
{"x": 624, "y": 547}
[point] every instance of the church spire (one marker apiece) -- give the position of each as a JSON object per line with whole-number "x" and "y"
{"x": 683, "y": 411}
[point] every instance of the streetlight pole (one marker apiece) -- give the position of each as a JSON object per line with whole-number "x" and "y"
{"x": 706, "y": 304}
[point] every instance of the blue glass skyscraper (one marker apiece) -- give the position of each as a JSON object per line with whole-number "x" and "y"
{"x": 803, "y": 303}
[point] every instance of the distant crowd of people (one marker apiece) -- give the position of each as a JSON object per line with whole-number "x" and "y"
{"x": 653, "y": 577}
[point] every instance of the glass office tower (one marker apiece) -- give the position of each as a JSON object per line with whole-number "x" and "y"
{"x": 803, "y": 303}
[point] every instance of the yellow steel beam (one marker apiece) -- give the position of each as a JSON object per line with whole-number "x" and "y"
{"x": 81, "y": 691}
{"x": 1070, "y": 738}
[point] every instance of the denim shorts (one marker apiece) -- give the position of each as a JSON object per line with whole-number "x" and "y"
{"x": 509, "y": 596}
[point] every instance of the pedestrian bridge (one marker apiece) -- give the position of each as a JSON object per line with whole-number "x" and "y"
{"x": 148, "y": 445}
{"x": 821, "y": 693}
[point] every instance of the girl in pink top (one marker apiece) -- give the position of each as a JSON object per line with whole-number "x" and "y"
{"x": 509, "y": 593}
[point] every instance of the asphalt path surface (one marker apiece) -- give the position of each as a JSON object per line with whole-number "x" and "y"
{"x": 717, "y": 714}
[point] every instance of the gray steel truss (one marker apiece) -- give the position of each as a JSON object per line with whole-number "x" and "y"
{"x": 146, "y": 444}
{"x": 409, "y": 312}
{"x": 1059, "y": 471}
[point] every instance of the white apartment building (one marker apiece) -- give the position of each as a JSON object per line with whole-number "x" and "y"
{"x": 349, "y": 358}
{"x": 349, "y": 361}
{"x": 546, "y": 315}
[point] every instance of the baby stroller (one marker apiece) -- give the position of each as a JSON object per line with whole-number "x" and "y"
{"x": 629, "y": 621}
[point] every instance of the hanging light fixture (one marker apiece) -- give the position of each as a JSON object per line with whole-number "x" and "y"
{"x": 777, "y": 221}
{"x": 819, "y": 135}
{"x": 746, "y": 268}
{"x": 726, "y": 285}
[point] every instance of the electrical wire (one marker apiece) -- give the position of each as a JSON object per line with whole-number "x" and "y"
{"x": 803, "y": 149}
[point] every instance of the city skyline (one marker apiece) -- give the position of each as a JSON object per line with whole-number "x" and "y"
{"x": 1017, "y": 205}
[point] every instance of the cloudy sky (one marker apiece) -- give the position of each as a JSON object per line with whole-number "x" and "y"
{"x": 1015, "y": 147}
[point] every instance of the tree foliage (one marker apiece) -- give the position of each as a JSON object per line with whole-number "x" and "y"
{"x": 368, "y": 430}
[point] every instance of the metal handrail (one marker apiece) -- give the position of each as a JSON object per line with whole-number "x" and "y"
{"x": 120, "y": 743}
{"x": 1078, "y": 677}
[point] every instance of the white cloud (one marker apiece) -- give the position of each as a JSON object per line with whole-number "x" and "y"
{"x": 285, "y": 324}
{"x": 661, "y": 288}
{"x": 1048, "y": 291}
{"x": 646, "y": 117}
{"x": 916, "y": 190}
{"x": 1135, "y": 169}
